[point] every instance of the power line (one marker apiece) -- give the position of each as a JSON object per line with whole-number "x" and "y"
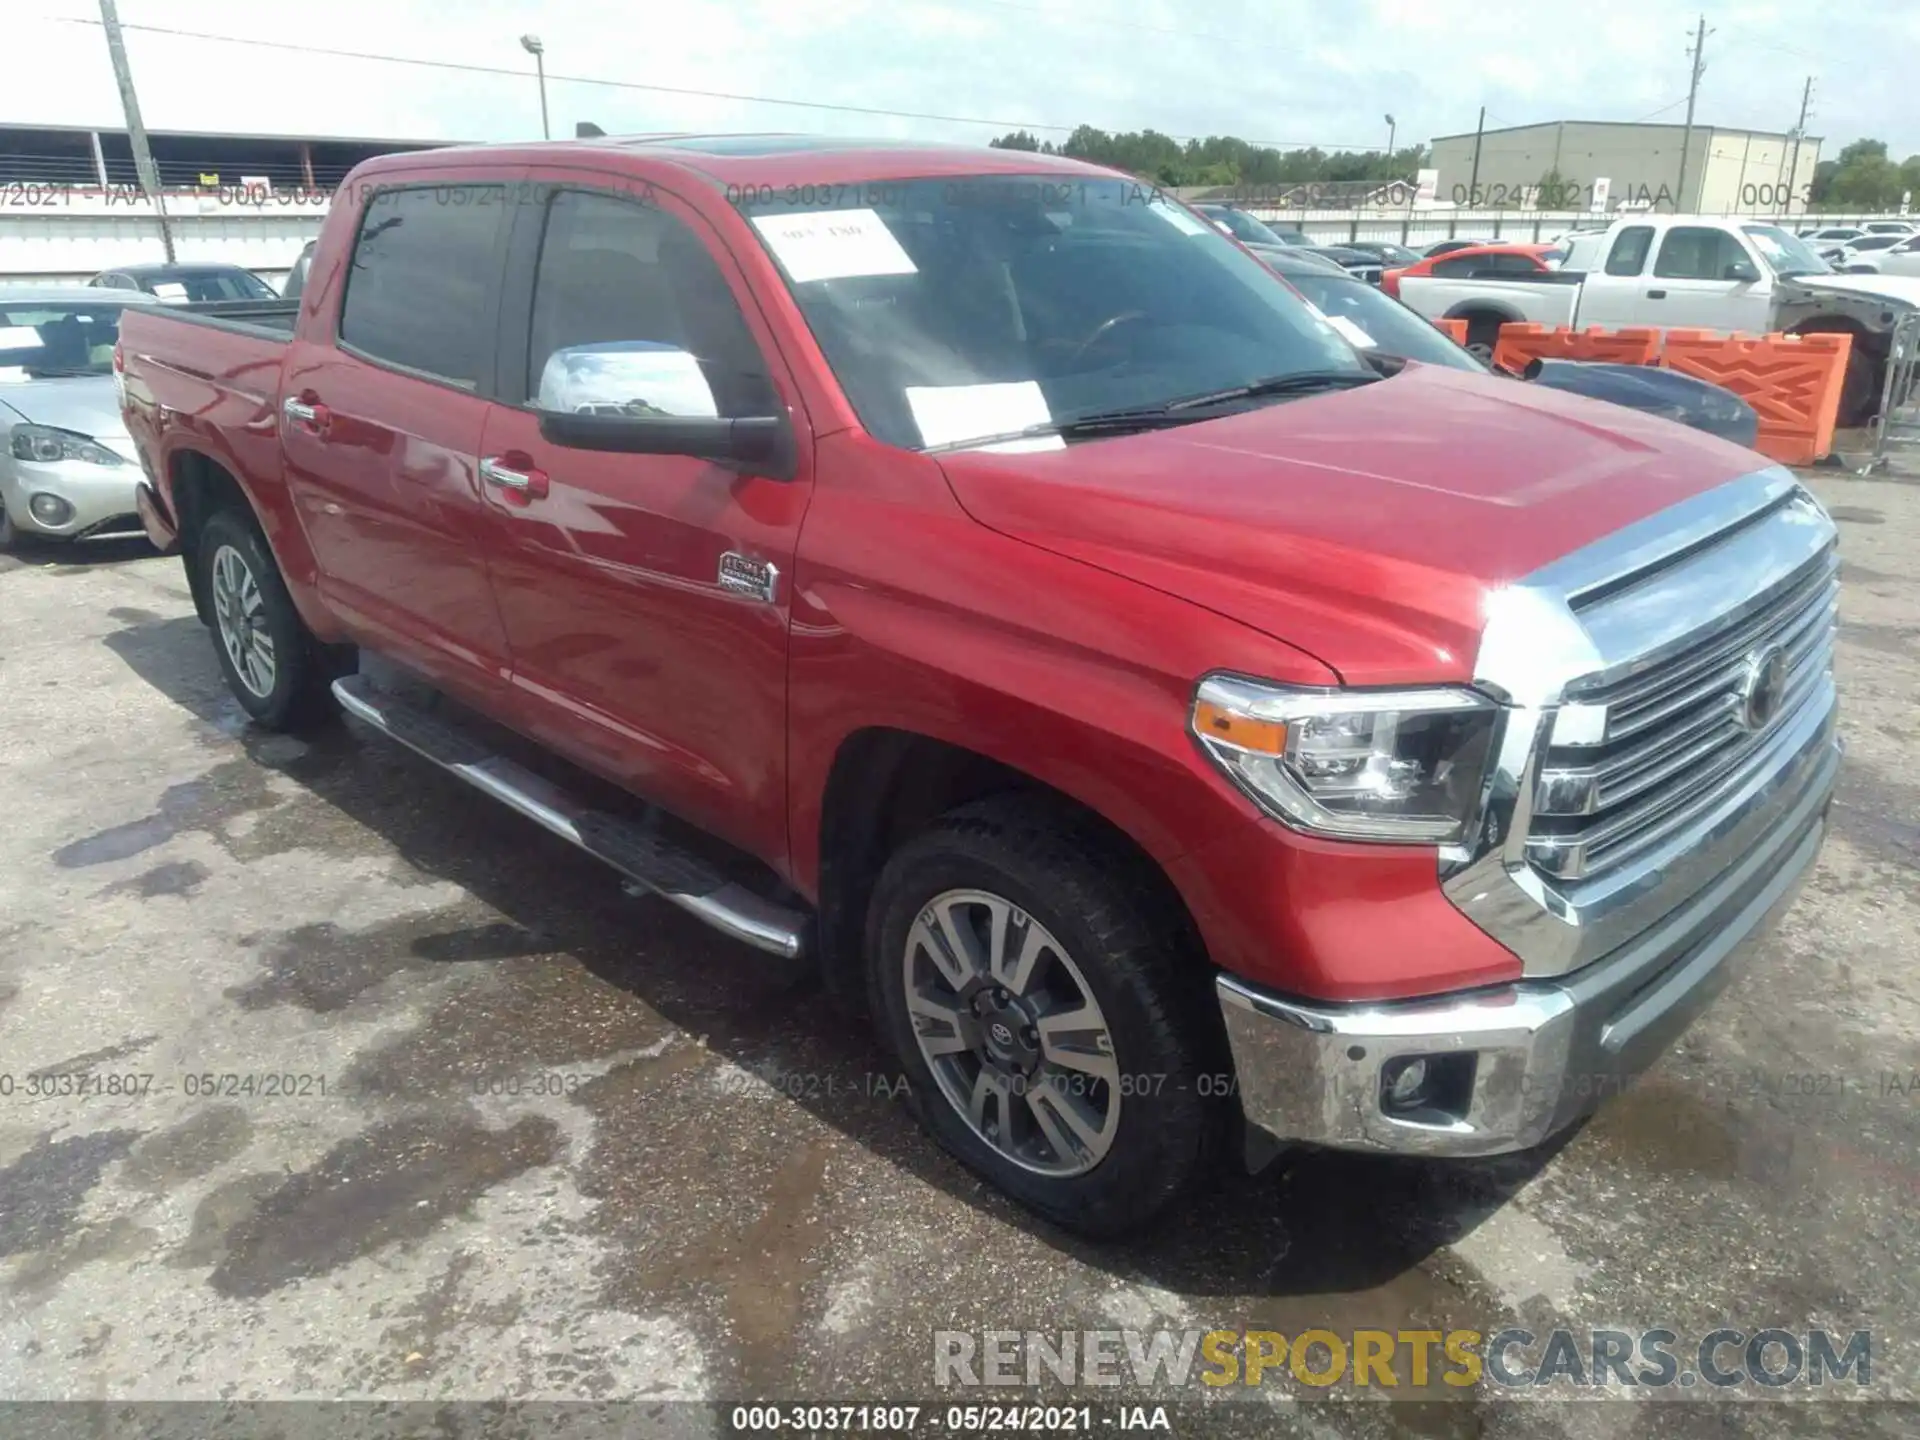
{"x": 473, "y": 69}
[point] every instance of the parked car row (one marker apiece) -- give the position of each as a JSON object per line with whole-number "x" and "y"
{"x": 1690, "y": 272}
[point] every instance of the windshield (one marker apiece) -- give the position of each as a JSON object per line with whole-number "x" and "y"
{"x": 1370, "y": 320}
{"x": 1787, "y": 254}
{"x": 39, "y": 341}
{"x": 197, "y": 286}
{"x": 956, "y": 309}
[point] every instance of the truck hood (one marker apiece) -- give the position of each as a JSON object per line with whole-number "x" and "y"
{"x": 88, "y": 404}
{"x": 1366, "y": 527}
{"x": 1903, "y": 289}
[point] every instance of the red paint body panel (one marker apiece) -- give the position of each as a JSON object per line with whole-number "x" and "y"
{"x": 1390, "y": 279}
{"x": 1050, "y": 610}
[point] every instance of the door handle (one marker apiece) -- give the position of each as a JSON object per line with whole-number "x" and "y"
{"x": 527, "y": 484}
{"x": 303, "y": 412}
{"x": 1656, "y": 294}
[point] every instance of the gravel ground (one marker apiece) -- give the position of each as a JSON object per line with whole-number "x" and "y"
{"x": 539, "y": 1141}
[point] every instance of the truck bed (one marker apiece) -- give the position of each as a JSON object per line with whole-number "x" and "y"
{"x": 1550, "y": 298}
{"x": 265, "y": 319}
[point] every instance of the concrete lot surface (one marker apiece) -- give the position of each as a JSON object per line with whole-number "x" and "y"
{"x": 385, "y": 1093}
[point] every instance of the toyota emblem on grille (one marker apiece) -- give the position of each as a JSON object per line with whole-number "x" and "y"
{"x": 1762, "y": 687}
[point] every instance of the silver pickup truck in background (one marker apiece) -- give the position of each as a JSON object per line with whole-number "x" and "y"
{"x": 1689, "y": 272}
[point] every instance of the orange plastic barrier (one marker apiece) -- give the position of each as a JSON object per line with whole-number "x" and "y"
{"x": 1522, "y": 343}
{"x": 1793, "y": 382}
{"x": 1456, "y": 330}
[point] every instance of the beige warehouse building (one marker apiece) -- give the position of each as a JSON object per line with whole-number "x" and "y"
{"x": 1727, "y": 171}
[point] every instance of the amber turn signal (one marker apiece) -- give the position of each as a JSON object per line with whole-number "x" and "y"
{"x": 1216, "y": 722}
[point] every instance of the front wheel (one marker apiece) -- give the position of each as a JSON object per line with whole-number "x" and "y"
{"x": 273, "y": 665}
{"x": 1051, "y": 1019}
{"x": 8, "y": 531}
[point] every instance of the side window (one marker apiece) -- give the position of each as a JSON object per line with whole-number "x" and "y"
{"x": 420, "y": 290}
{"x": 631, "y": 316}
{"x": 1629, "y": 253}
{"x": 1694, "y": 252}
{"x": 1496, "y": 265}
{"x": 1452, "y": 269}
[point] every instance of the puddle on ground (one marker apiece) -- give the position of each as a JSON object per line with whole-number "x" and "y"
{"x": 395, "y": 1182}
{"x": 175, "y": 877}
{"x": 92, "y": 1059}
{"x": 1856, "y": 515}
{"x": 206, "y": 804}
{"x": 198, "y": 1145}
{"x": 45, "y": 1188}
{"x": 323, "y": 968}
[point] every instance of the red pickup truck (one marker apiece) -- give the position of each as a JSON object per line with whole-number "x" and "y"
{"x": 975, "y": 573}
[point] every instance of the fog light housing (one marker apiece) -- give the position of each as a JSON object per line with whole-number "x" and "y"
{"x": 1429, "y": 1089}
{"x": 50, "y": 509}
{"x": 1405, "y": 1083}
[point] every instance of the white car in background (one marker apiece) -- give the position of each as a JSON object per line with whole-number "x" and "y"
{"x": 67, "y": 468}
{"x": 1872, "y": 254}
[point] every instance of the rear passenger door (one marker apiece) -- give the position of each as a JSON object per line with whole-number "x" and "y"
{"x": 646, "y": 597}
{"x": 381, "y": 429}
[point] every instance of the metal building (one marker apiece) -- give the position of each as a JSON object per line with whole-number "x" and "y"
{"x": 1726, "y": 171}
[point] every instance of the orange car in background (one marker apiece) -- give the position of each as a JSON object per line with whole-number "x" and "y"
{"x": 1480, "y": 262}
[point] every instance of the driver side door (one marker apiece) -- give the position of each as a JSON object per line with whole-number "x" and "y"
{"x": 645, "y": 596}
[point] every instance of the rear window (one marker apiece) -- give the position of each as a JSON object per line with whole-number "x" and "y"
{"x": 420, "y": 291}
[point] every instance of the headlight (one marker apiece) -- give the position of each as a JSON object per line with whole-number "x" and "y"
{"x": 46, "y": 445}
{"x": 1401, "y": 765}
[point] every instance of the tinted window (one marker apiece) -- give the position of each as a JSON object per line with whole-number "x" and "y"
{"x": 1694, "y": 252}
{"x": 1371, "y": 321}
{"x": 631, "y": 316}
{"x": 1453, "y": 269}
{"x": 421, "y": 286}
{"x": 1629, "y": 253}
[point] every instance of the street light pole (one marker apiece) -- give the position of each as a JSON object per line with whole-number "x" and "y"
{"x": 531, "y": 44}
{"x": 1390, "y": 129}
{"x": 143, "y": 165}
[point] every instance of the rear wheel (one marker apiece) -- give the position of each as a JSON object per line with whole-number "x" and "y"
{"x": 275, "y": 668}
{"x": 8, "y": 533}
{"x": 1051, "y": 1018}
{"x": 1483, "y": 336}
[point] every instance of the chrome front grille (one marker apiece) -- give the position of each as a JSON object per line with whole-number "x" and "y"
{"x": 1637, "y": 759}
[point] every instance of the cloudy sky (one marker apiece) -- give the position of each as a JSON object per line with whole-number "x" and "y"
{"x": 1287, "y": 72}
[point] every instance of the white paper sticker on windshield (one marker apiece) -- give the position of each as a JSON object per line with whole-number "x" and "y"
{"x": 1353, "y": 333}
{"x": 949, "y": 414}
{"x": 170, "y": 290}
{"x": 1026, "y": 446}
{"x": 833, "y": 245}
{"x": 1180, "y": 220}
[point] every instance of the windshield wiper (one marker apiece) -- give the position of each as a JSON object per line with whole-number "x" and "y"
{"x": 1102, "y": 422}
{"x": 1299, "y": 382}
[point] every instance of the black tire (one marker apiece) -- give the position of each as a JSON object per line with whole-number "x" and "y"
{"x": 302, "y": 668}
{"x": 1144, "y": 970}
{"x": 1483, "y": 336}
{"x": 8, "y": 531}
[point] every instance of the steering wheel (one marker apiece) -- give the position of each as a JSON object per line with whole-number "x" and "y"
{"x": 1104, "y": 329}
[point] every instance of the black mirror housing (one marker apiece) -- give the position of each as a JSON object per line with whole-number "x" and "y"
{"x": 754, "y": 444}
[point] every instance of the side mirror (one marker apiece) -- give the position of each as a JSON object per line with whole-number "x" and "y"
{"x": 1745, "y": 271}
{"x": 637, "y": 397}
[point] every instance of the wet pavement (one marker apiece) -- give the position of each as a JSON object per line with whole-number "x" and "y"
{"x": 322, "y": 1076}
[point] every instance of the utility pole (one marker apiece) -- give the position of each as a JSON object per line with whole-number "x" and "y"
{"x": 136, "y": 132}
{"x": 1799, "y": 134}
{"x": 1473, "y": 185}
{"x": 1693, "y": 92}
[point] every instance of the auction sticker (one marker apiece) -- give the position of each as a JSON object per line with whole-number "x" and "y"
{"x": 951, "y": 414}
{"x": 833, "y": 245}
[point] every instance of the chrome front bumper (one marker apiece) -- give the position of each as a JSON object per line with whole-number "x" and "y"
{"x": 1517, "y": 1063}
